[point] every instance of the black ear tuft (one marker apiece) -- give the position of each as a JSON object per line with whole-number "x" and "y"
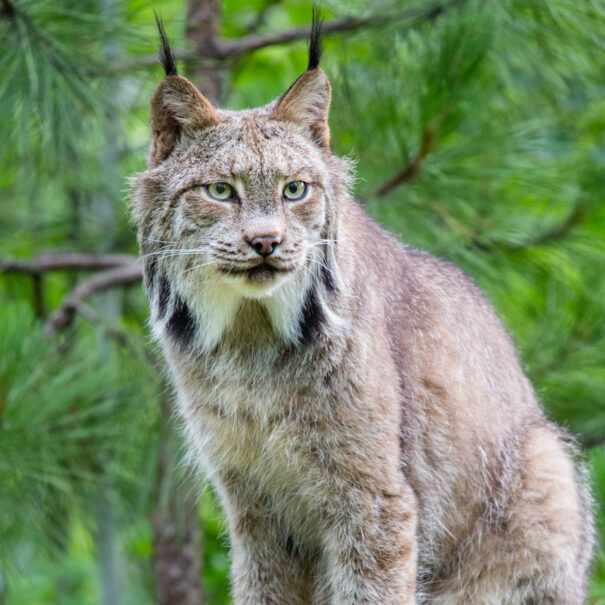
{"x": 165, "y": 53}
{"x": 315, "y": 40}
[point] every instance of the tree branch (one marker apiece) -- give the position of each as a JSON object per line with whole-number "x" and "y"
{"x": 412, "y": 168}
{"x": 229, "y": 49}
{"x": 122, "y": 275}
{"x": 61, "y": 261}
{"x": 233, "y": 48}
{"x": 576, "y": 216}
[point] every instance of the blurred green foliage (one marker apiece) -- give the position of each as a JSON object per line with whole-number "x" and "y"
{"x": 496, "y": 106}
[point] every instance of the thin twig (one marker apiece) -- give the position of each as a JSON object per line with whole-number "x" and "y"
{"x": 576, "y": 216}
{"x": 412, "y": 168}
{"x": 116, "y": 334}
{"x": 123, "y": 275}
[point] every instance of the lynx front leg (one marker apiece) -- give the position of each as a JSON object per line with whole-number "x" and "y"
{"x": 371, "y": 550}
{"x": 268, "y": 567}
{"x": 268, "y": 571}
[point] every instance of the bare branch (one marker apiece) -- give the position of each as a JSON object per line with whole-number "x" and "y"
{"x": 61, "y": 261}
{"x": 576, "y": 216}
{"x": 122, "y": 275}
{"x": 229, "y": 49}
{"x": 232, "y": 48}
{"x": 412, "y": 168}
{"x": 116, "y": 334}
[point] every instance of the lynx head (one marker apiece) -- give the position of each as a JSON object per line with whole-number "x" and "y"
{"x": 239, "y": 205}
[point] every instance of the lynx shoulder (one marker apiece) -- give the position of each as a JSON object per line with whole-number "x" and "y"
{"x": 357, "y": 404}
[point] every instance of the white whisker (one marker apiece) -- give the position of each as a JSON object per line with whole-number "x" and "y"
{"x": 159, "y": 241}
{"x": 175, "y": 252}
{"x": 323, "y": 242}
{"x": 199, "y": 266}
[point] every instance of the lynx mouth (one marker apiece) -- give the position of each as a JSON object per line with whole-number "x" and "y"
{"x": 264, "y": 272}
{"x": 261, "y": 273}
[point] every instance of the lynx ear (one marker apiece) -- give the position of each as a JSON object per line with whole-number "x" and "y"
{"x": 177, "y": 106}
{"x": 307, "y": 102}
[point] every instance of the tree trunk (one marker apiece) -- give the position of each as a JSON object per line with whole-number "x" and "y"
{"x": 201, "y": 30}
{"x": 176, "y": 549}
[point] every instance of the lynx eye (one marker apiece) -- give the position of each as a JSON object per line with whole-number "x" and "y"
{"x": 295, "y": 190}
{"x": 220, "y": 191}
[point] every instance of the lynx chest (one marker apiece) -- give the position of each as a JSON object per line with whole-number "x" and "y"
{"x": 263, "y": 423}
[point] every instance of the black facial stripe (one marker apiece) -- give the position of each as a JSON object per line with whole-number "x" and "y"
{"x": 181, "y": 325}
{"x": 312, "y": 318}
{"x": 163, "y": 296}
{"x": 327, "y": 277}
{"x": 150, "y": 273}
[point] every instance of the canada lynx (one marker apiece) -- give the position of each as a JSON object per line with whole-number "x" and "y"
{"x": 357, "y": 404}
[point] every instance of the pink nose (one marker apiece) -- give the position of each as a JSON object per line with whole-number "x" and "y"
{"x": 264, "y": 244}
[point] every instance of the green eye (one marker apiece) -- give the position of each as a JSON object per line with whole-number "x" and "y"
{"x": 220, "y": 191}
{"x": 295, "y": 190}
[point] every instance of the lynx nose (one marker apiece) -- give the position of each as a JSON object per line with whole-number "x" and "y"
{"x": 264, "y": 244}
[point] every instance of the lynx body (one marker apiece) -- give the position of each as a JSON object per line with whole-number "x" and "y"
{"x": 357, "y": 404}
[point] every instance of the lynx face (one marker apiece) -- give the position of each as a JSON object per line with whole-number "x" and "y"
{"x": 239, "y": 205}
{"x": 249, "y": 202}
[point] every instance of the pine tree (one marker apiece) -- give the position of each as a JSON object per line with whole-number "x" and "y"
{"x": 477, "y": 130}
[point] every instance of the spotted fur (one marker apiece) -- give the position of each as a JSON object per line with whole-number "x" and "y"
{"x": 359, "y": 407}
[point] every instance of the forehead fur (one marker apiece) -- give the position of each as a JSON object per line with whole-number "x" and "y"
{"x": 245, "y": 145}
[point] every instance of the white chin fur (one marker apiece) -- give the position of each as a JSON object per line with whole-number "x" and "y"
{"x": 215, "y": 299}
{"x": 245, "y": 288}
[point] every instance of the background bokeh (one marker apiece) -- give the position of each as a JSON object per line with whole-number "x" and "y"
{"x": 478, "y": 132}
